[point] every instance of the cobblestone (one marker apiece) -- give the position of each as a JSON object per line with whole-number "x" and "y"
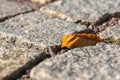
{"x": 90, "y": 10}
{"x": 100, "y": 62}
{"x": 39, "y": 28}
{"x": 9, "y": 8}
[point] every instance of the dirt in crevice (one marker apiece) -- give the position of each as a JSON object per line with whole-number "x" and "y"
{"x": 55, "y": 50}
{"x": 111, "y": 22}
{"x": 22, "y": 70}
{"x": 107, "y": 20}
{"x": 83, "y": 22}
{"x": 46, "y": 53}
{"x": 106, "y": 17}
{"x": 23, "y": 73}
{"x": 50, "y": 52}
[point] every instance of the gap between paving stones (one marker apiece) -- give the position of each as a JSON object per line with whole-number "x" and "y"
{"x": 106, "y": 17}
{"x": 11, "y": 16}
{"x": 15, "y": 37}
{"x": 35, "y": 7}
{"x": 20, "y": 71}
{"x": 80, "y": 11}
{"x": 88, "y": 63}
{"x": 18, "y": 41}
{"x": 95, "y": 26}
{"x": 48, "y": 52}
{"x": 103, "y": 22}
{"x": 52, "y": 50}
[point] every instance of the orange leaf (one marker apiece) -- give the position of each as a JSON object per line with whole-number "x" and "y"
{"x": 80, "y": 40}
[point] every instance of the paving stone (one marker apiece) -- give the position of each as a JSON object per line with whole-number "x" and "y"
{"x": 10, "y": 7}
{"x": 100, "y": 62}
{"x": 90, "y": 10}
{"x": 14, "y": 58}
{"x": 111, "y": 31}
{"x": 39, "y": 28}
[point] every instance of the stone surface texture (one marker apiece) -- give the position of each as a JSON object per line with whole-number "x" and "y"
{"x": 10, "y": 7}
{"x": 90, "y": 10}
{"x": 14, "y": 56}
{"x": 39, "y": 28}
{"x": 28, "y": 35}
{"x": 111, "y": 31}
{"x": 100, "y": 62}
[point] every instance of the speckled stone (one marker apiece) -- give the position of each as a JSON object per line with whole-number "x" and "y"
{"x": 111, "y": 31}
{"x": 14, "y": 58}
{"x": 11, "y": 7}
{"x": 39, "y": 28}
{"x": 100, "y": 62}
{"x": 90, "y": 10}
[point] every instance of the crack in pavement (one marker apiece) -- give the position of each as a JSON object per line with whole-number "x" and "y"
{"x": 102, "y": 23}
{"x": 91, "y": 25}
{"x": 106, "y": 17}
{"x": 34, "y": 6}
{"x": 11, "y": 16}
{"x": 52, "y": 51}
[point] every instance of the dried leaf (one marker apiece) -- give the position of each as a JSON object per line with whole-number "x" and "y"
{"x": 80, "y": 40}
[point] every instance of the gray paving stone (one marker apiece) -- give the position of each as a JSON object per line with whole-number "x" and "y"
{"x": 39, "y": 28}
{"x": 111, "y": 31}
{"x": 14, "y": 58}
{"x": 90, "y": 10}
{"x": 100, "y": 62}
{"x": 11, "y": 7}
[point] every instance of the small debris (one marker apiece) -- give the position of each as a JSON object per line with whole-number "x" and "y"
{"x": 84, "y": 22}
{"x": 55, "y": 50}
